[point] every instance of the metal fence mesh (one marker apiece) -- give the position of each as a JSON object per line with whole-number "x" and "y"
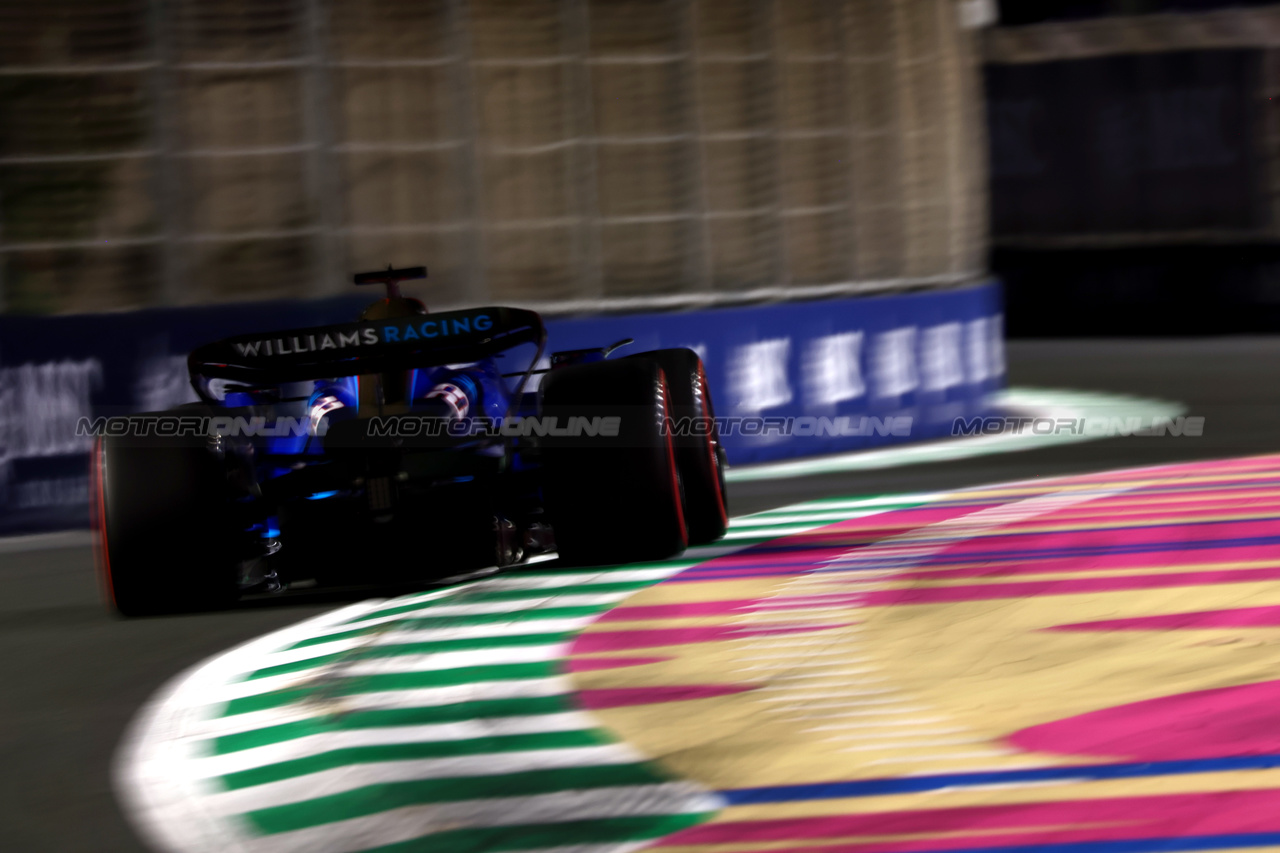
{"x": 563, "y": 152}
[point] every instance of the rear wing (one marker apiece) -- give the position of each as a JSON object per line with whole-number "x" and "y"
{"x": 373, "y": 346}
{"x": 390, "y": 276}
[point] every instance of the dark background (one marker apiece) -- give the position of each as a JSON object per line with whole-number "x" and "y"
{"x": 1129, "y": 193}
{"x": 1013, "y": 12}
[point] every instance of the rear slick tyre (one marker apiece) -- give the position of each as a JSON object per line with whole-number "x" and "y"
{"x": 612, "y": 498}
{"x": 699, "y": 454}
{"x": 165, "y": 542}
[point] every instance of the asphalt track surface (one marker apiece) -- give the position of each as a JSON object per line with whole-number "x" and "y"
{"x": 73, "y": 676}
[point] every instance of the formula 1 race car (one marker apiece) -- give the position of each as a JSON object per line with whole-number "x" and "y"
{"x": 404, "y": 447}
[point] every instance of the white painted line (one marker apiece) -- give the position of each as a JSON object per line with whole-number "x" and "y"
{"x": 411, "y": 822}
{"x": 350, "y": 777}
{"x": 391, "y": 639}
{"x": 444, "y": 661}
{"x": 397, "y": 664}
{"x": 889, "y": 502}
{"x": 426, "y": 697}
{"x": 708, "y": 552}
{"x": 316, "y": 744}
{"x": 774, "y": 517}
{"x": 1041, "y": 403}
{"x": 570, "y": 579}
{"x": 763, "y": 533}
{"x": 506, "y": 606}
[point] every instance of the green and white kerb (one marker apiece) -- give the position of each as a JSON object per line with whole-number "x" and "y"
{"x": 439, "y": 721}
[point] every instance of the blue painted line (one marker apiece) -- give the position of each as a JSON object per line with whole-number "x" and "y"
{"x": 1131, "y": 845}
{"x": 1101, "y": 550}
{"x": 1083, "y": 550}
{"x": 735, "y": 571}
{"x": 914, "y": 784}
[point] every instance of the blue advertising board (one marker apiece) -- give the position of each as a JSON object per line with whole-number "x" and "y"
{"x": 796, "y": 378}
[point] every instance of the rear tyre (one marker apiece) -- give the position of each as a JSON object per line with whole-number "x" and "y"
{"x": 612, "y": 499}
{"x": 166, "y": 542}
{"x": 699, "y": 454}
